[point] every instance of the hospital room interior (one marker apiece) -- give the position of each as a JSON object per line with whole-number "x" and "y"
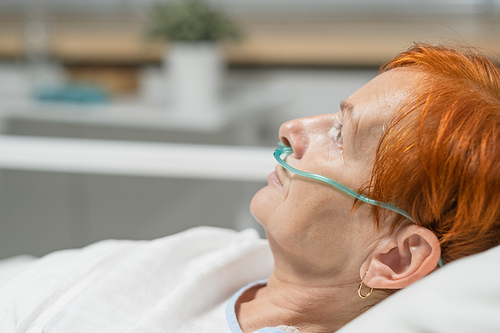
{"x": 112, "y": 128}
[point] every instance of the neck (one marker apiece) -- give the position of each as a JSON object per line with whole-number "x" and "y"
{"x": 311, "y": 306}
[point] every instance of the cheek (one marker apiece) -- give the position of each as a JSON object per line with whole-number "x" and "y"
{"x": 312, "y": 208}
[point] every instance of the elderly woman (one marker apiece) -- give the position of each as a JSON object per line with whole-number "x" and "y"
{"x": 363, "y": 202}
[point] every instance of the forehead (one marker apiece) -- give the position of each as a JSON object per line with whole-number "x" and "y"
{"x": 372, "y": 107}
{"x": 383, "y": 95}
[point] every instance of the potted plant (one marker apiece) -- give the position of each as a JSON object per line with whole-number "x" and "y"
{"x": 193, "y": 62}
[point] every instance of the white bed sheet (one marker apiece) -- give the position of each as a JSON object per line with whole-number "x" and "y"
{"x": 180, "y": 283}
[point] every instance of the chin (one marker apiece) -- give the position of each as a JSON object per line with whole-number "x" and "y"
{"x": 258, "y": 205}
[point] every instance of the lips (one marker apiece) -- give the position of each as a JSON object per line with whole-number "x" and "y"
{"x": 274, "y": 178}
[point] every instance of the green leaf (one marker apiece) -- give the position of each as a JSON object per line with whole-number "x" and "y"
{"x": 191, "y": 20}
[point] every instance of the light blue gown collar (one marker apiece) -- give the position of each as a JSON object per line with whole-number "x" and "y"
{"x": 231, "y": 319}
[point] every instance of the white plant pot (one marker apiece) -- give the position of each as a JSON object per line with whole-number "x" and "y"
{"x": 195, "y": 71}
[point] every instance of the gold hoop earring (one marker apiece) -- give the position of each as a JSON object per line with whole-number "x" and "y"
{"x": 361, "y": 285}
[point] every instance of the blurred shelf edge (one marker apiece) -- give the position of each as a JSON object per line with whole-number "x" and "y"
{"x": 327, "y": 40}
{"x": 136, "y": 113}
{"x": 136, "y": 158}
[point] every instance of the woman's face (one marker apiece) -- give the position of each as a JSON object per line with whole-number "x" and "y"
{"x": 311, "y": 221}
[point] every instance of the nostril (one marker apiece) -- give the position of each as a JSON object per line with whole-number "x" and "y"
{"x": 292, "y": 134}
{"x": 285, "y": 141}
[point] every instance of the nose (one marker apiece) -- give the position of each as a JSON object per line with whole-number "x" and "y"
{"x": 293, "y": 134}
{"x": 299, "y": 133}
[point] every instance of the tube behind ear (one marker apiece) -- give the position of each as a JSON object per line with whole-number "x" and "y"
{"x": 409, "y": 255}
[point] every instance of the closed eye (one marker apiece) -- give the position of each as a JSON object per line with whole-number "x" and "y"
{"x": 336, "y": 132}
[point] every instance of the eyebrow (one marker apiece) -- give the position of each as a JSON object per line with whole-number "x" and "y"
{"x": 346, "y": 108}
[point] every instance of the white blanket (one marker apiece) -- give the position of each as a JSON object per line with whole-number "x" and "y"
{"x": 181, "y": 284}
{"x": 178, "y": 283}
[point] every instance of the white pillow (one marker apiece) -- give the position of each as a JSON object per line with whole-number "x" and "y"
{"x": 462, "y": 296}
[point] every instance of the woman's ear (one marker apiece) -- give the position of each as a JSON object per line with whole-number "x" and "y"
{"x": 410, "y": 253}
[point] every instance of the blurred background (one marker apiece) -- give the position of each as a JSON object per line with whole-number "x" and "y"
{"x": 107, "y": 131}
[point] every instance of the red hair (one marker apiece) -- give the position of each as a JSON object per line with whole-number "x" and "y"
{"x": 439, "y": 158}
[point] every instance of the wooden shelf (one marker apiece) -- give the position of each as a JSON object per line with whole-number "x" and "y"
{"x": 301, "y": 40}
